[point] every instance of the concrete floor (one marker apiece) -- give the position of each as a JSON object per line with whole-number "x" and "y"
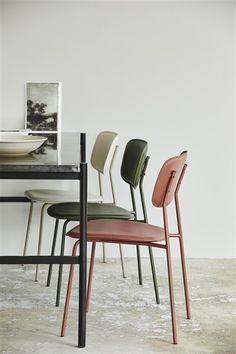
{"x": 123, "y": 317}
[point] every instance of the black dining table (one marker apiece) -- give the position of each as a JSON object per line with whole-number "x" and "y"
{"x": 65, "y": 159}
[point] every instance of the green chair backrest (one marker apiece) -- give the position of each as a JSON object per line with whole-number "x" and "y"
{"x": 133, "y": 161}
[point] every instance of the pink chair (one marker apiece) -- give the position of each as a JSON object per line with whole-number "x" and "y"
{"x": 131, "y": 232}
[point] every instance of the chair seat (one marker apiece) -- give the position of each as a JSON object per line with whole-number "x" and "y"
{"x": 120, "y": 231}
{"x": 52, "y": 196}
{"x": 71, "y": 211}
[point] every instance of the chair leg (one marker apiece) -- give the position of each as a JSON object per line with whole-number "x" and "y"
{"x": 122, "y": 261}
{"x": 52, "y": 251}
{"x": 154, "y": 277}
{"x": 40, "y": 237}
{"x": 68, "y": 292}
{"x": 90, "y": 277}
{"x": 185, "y": 280}
{"x": 28, "y": 227}
{"x": 181, "y": 245}
{"x": 104, "y": 253}
{"x": 171, "y": 293}
{"x": 139, "y": 266}
{"x": 63, "y": 237}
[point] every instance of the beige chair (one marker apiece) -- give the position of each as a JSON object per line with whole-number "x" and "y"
{"x": 102, "y": 158}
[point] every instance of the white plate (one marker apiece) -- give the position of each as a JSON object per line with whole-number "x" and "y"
{"x": 19, "y": 144}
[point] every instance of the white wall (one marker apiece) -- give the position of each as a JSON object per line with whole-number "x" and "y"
{"x": 1, "y": 73}
{"x": 161, "y": 71}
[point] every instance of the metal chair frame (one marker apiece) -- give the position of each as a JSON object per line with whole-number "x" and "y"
{"x": 165, "y": 246}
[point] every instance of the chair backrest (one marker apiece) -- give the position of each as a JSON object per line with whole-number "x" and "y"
{"x": 173, "y": 167}
{"x": 103, "y": 151}
{"x": 133, "y": 161}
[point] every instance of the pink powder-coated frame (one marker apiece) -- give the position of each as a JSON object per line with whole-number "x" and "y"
{"x": 171, "y": 187}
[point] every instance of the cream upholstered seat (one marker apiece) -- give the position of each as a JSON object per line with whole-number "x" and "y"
{"x": 102, "y": 158}
{"x": 52, "y": 195}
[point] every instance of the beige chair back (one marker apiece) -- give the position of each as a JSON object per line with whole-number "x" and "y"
{"x": 103, "y": 151}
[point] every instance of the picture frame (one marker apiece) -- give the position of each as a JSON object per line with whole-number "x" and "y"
{"x": 43, "y": 106}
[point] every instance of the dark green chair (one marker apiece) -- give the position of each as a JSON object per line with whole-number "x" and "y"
{"x": 133, "y": 169}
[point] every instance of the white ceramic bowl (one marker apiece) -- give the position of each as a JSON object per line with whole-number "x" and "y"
{"x": 13, "y": 144}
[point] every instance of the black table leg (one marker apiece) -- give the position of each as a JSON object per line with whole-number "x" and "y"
{"x": 83, "y": 256}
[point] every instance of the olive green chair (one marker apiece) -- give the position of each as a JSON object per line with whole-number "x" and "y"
{"x": 133, "y": 169}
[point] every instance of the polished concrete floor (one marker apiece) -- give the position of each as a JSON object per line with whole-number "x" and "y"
{"x": 123, "y": 317}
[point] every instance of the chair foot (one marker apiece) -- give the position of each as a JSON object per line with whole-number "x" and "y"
{"x": 36, "y": 273}
{"x": 171, "y": 295}
{"x": 122, "y": 261}
{"x": 154, "y": 277}
{"x": 59, "y": 286}
{"x": 140, "y": 277}
{"x": 103, "y": 253}
{"x": 185, "y": 280}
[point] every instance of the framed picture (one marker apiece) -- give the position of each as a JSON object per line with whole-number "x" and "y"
{"x": 43, "y": 106}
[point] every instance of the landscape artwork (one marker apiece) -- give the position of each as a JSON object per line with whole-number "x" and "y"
{"x": 43, "y": 106}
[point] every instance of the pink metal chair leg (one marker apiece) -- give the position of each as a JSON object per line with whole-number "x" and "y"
{"x": 90, "y": 277}
{"x": 170, "y": 276}
{"x": 171, "y": 292}
{"x": 68, "y": 292}
{"x": 70, "y": 282}
{"x": 181, "y": 245}
{"x": 185, "y": 280}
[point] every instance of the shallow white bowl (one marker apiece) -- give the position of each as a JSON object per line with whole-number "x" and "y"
{"x": 19, "y": 144}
